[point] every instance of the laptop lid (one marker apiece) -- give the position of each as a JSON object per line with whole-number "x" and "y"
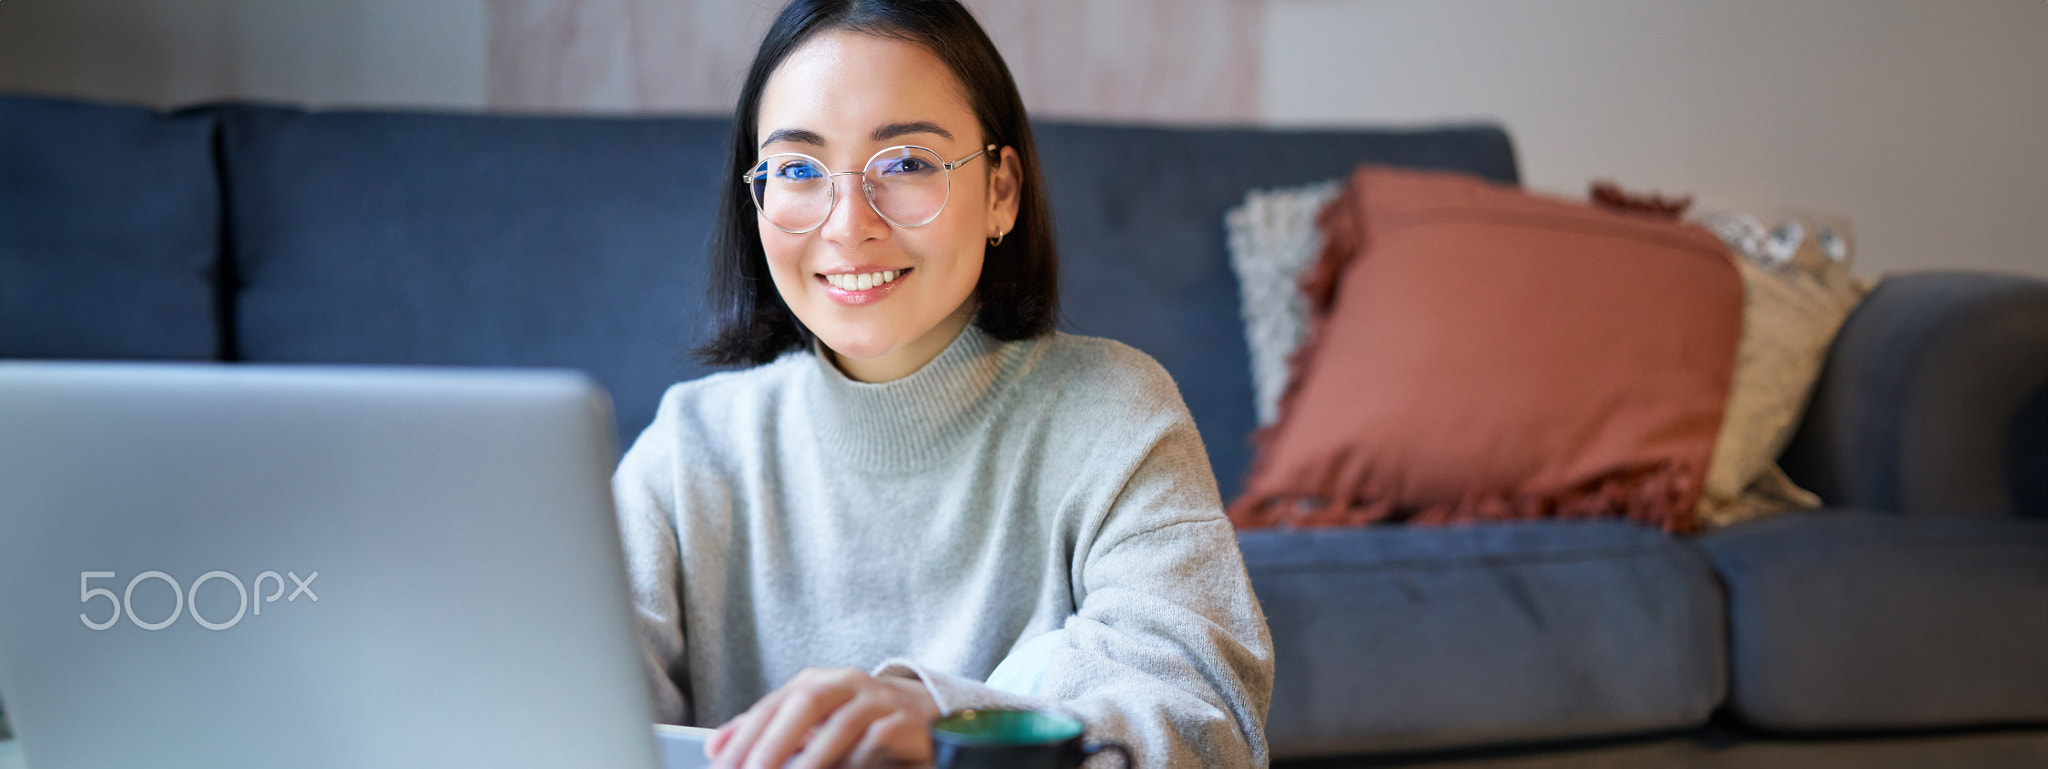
{"x": 228, "y": 566}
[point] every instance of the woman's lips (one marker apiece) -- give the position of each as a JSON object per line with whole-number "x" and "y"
{"x": 854, "y": 297}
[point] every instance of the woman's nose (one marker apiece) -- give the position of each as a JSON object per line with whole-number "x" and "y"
{"x": 852, "y": 219}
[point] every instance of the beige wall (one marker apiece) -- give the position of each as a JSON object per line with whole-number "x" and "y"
{"x": 1172, "y": 60}
{"x": 175, "y": 52}
{"x": 1925, "y": 121}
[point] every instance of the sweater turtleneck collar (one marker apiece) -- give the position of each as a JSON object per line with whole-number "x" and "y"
{"x": 910, "y": 423}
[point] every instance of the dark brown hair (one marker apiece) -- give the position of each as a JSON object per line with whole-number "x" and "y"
{"x": 1019, "y": 286}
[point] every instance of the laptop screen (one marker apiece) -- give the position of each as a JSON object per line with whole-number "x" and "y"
{"x": 227, "y": 566}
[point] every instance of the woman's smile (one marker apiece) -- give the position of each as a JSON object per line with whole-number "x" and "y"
{"x": 861, "y": 285}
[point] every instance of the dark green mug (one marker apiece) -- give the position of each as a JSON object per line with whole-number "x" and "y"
{"x": 1014, "y": 739}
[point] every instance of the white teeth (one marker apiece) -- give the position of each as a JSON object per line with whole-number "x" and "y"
{"x": 862, "y": 282}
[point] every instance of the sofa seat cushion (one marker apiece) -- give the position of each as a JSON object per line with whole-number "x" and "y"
{"x": 476, "y": 240}
{"x": 1853, "y": 620}
{"x": 109, "y": 232}
{"x": 1397, "y": 639}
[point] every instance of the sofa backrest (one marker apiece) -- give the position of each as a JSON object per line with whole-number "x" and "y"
{"x": 560, "y": 241}
{"x": 109, "y": 232}
{"x": 494, "y": 240}
{"x": 450, "y": 239}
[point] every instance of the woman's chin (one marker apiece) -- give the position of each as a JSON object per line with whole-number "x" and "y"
{"x": 859, "y": 348}
{"x": 887, "y": 347}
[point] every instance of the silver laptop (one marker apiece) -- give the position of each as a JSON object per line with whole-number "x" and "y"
{"x": 227, "y": 566}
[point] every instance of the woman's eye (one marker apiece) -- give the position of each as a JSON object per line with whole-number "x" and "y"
{"x": 797, "y": 171}
{"x": 901, "y": 166}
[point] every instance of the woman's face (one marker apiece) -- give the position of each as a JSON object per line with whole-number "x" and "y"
{"x": 841, "y": 97}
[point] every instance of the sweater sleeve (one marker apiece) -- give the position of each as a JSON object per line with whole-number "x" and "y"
{"x": 641, "y": 492}
{"x": 1167, "y": 651}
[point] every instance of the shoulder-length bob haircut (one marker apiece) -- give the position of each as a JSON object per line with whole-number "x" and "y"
{"x": 1019, "y": 287}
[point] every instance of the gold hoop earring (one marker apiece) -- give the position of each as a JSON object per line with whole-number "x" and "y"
{"x": 997, "y": 240}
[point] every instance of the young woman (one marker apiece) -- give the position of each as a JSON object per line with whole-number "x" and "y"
{"x": 921, "y": 497}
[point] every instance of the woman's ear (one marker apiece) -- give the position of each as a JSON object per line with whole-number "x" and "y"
{"x": 1005, "y": 189}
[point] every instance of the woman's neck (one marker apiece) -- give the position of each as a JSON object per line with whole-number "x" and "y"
{"x": 902, "y": 362}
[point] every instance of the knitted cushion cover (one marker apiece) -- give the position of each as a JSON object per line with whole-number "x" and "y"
{"x": 1273, "y": 238}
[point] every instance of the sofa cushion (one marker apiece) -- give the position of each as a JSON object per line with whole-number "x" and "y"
{"x": 1797, "y": 291}
{"x": 109, "y": 232}
{"x": 476, "y": 240}
{"x": 1481, "y": 353}
{"x": 1397, "y": 638}
{"x": 1273, "y": 239}
{"x": 1139, "y": 212}
{"x": 1855, "y": 620}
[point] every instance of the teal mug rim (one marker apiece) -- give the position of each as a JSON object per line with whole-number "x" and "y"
{"x": 1075, "y": 729}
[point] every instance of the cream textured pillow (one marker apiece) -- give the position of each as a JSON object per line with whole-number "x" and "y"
{"x": 1272, "y": 238}
{"x": 1797, "y": 292}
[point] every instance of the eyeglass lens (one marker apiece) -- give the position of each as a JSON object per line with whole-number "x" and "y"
{"x": 906, "y": 185}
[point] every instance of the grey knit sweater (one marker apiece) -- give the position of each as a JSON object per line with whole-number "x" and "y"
{"x": 1042, "y": 506}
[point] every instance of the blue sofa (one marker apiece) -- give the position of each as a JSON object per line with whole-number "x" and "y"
{"x": 1908, "y": 627}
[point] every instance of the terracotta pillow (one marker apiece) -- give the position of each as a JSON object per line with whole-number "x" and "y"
{"x": 1480, "y": 353}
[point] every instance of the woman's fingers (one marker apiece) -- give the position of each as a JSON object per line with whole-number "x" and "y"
{"x": 821, "y": 716}
{"x": 901, "y": 738}
{"x": 718, "y": 738}
{"x": 840, "y": 733}
{"x": 747, "y": 739}
{"x": 898, "y": 739}
{"x": 735, "y": 736}
{"x": 795, "y": 716}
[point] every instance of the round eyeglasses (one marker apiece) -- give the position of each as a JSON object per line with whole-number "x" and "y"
{"x": 907, "y": 185}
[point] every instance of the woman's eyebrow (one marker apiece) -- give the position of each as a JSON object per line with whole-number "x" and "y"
{"x": 881, "y": 134}
{"x": 797, "y": 135}
{"x": 894, "y": 130}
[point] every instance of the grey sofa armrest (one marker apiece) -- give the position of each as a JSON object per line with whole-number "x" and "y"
{"x": 1934, "y": 400}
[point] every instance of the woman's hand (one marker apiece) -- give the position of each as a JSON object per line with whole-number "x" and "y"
{"x": 826, "y": 717}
